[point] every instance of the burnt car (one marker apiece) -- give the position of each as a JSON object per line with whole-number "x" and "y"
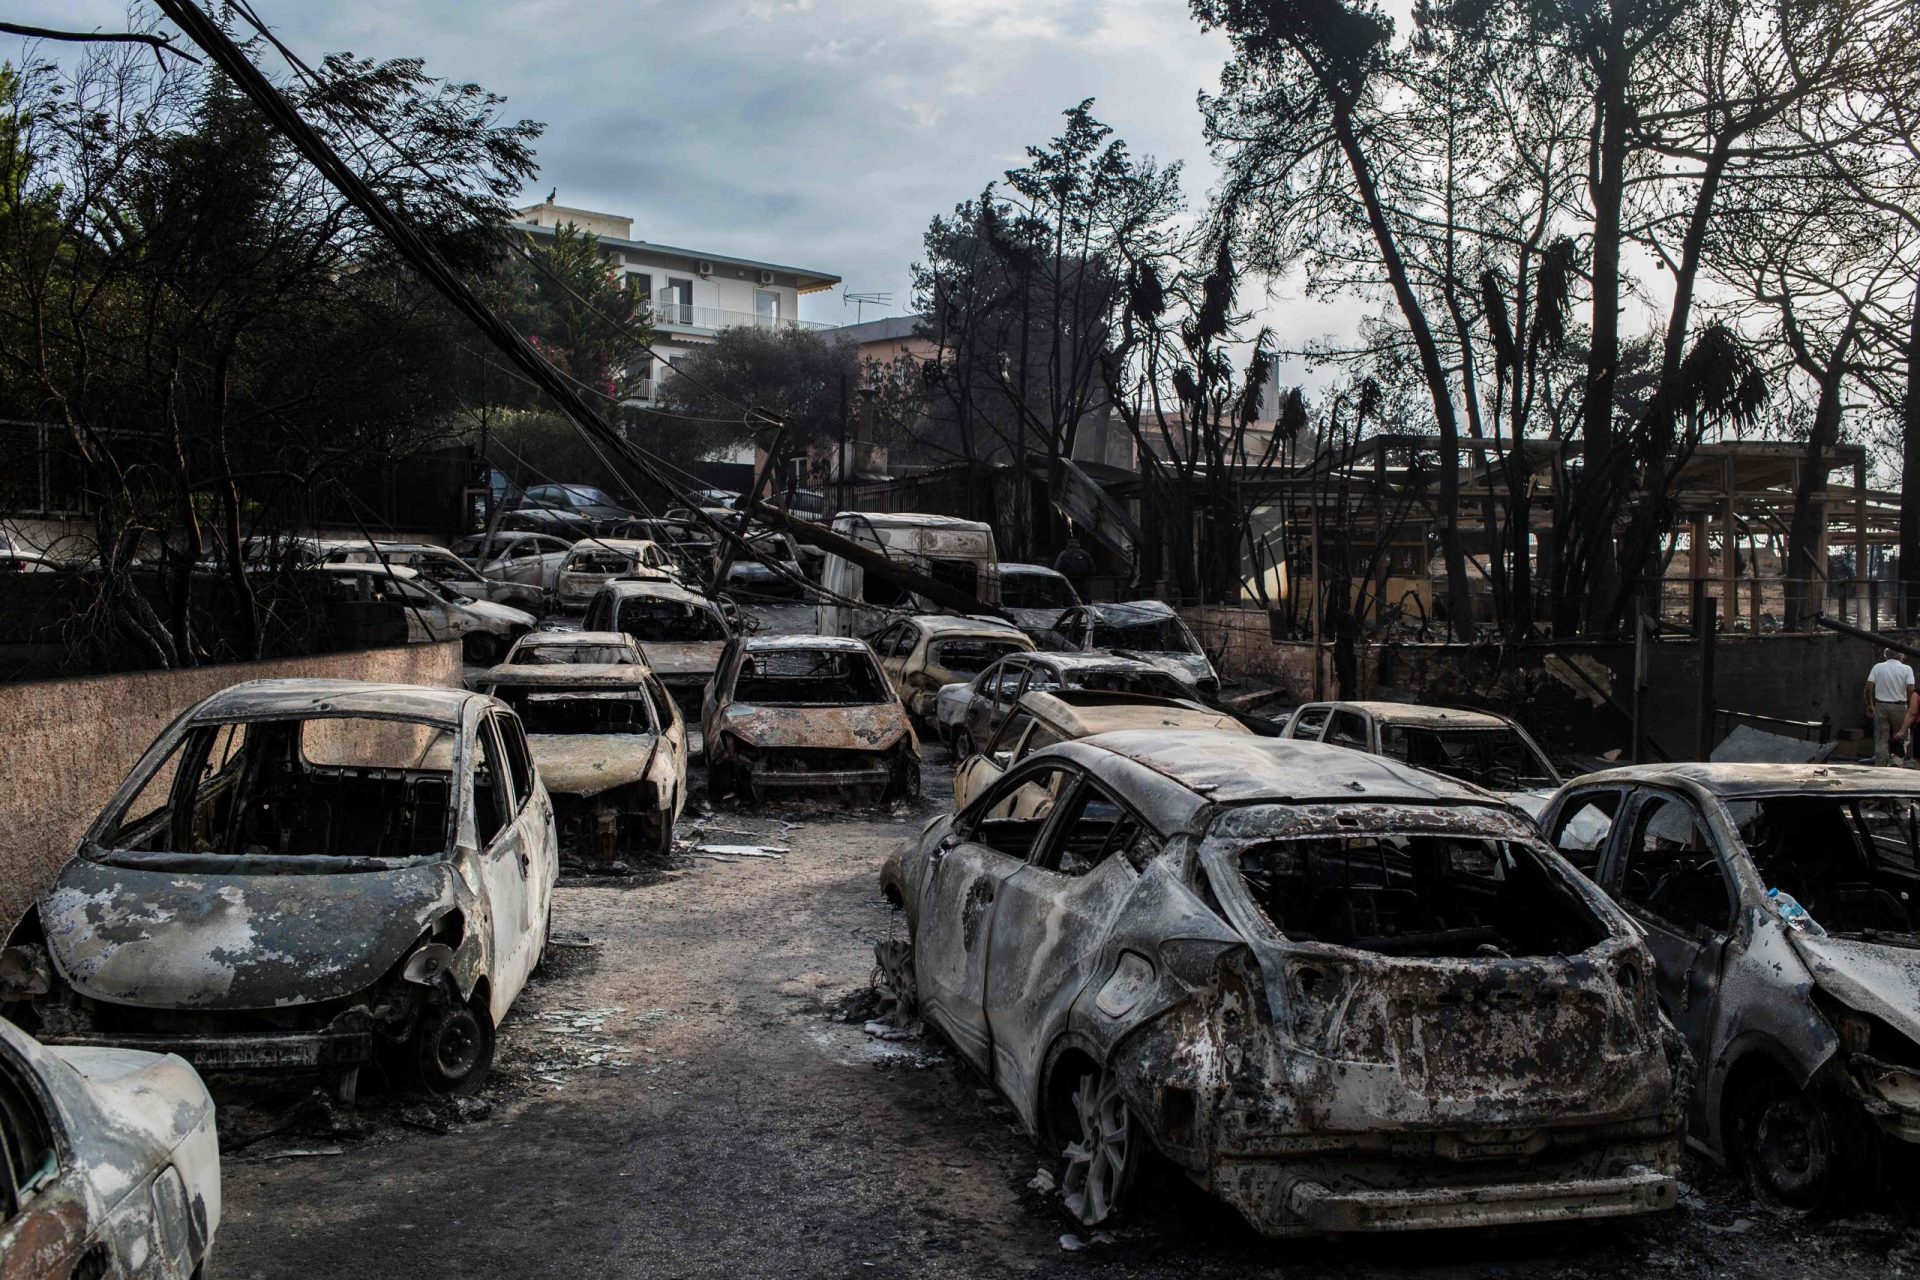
{"x": 1145, "y": 629}
{"x": 561, "y": 648}
{"x": 1035, "y": 596}
{"x": 1338, "y": 993}
{"x": 303, "y": 874}
{"x": 611, "y": 750}
{"x": 681, "y": 633}
{"x": 109, "y": 1164}
{"x": 992, "y": 695}
{"x": 1480, "y": 747}
{"x": 1780, "y": 904}
{"x": 807, "y": 713}
{"x": 920, "y": 654}
{"x": 1041, "y": 719}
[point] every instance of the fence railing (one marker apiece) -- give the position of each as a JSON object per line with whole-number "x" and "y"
{"x": 684, "y": 315}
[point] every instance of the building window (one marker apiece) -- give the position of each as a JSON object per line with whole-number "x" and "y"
{"x": 766, "y": 308}
{"x": 640, "y": 285}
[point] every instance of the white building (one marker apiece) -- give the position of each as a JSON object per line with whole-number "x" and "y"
{"x": 692, "y": 294}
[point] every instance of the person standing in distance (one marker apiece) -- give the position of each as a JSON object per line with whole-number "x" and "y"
{"x": 1076, "y": 566}
{"x": 1890, "y": 694}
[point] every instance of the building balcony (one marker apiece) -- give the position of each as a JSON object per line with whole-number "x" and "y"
{"x": 680, "y": 315}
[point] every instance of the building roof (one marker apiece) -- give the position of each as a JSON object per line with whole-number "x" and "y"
{"x": 1741, "y": 781}
{"x": 297, "y": 698}
{"x": 882, "y": 330}
{"x": 1241, "y": 769}
{"x": 806, "y": 279}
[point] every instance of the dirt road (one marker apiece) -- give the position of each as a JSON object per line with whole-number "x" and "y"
{"x": 734, "y": 1126}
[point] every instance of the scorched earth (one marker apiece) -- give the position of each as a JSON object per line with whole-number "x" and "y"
{"x": 692, "y": 1093}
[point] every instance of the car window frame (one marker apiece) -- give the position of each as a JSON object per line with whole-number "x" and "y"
{"x": 1050, "y": 835}
{"x": 1620, "y": 839}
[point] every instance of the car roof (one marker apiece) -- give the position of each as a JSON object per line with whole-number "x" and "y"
{"x": 769, "y": 644}
{"x": 288, "y": 698}
{"x": 370, "y": 566}
{"x": 580, "y": 639}
{"x": 611, "y": 674}
{"x": 1133, "y": 611}
{"x": 948, "y": 624}
{"x": 1080, "y": 714}
{"x": 659, "y": 588}
{"x": 1742, "y": 781}
{"x": 1036, "y": 570}
{"x": 912, "y": 520}
{"x": 1234, "y": 769}
{"x": 1429, "y": 717}
{"x": 614, "y": 544}
{"x": 1093, "y": 660}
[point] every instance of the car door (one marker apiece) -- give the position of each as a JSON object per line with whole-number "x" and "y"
{"x": 978, "y": 771}
{"x": 43, "y": 1199}
{"x": 1348, "y": 728}
{"x": 1074, "y": 629}
{"x": 993, "y": 696}
{"x": 1309, "y": 721}
{"x": 885, "y": 646}
{"x": 673, "y": 737}
{"x": 1050, "y": 924}
{"x": 1665, "y": 868}
{"x": 506, "y": 863}
{"x": 962, "y": 878}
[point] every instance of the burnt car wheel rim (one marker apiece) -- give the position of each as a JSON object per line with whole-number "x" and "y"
{"x": 458, "y": 1048}
{"x": 1097, "y": 1159}
{"x": 1792, "y": 1149}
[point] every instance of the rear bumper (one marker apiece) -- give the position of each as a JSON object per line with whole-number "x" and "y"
{"x": 335, "y": 1047}
{"x": 877, "y": 776}
{"x": 1499, "y": 1204}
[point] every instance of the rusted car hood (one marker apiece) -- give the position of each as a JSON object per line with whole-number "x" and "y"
{"x": 160, "y": 939}
{"x": 585, "y": 764}
{"x": 683, "y": 657}
{"x": 1871, "y": 977}
{"x": 872, "y": 727}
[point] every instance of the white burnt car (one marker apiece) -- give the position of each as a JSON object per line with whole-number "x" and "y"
{"x": 303, "y": 874}
{"x": 1338, "y": 993}
{"x": 109, "y": 1165}
{"x": 611, "y": 749}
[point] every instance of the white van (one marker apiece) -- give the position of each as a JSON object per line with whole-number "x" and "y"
{"x": 958, "y": 552}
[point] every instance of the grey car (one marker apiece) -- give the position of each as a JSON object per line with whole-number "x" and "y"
{"x": 1780, "y": 902}
{"x": 998, "y": 689}
{"x": 1336, "y": 992}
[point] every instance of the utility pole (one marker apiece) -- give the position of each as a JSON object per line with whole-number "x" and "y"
{"x": 840, "y": 458}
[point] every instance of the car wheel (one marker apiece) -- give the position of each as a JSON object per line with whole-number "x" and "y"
{"x": 962, "y": 745}
{"x": 906, "y": 781}
{"x": 1103, "y": 1152}
{"x": 546, "y": 940}
{"x": 480, "y": 649}
{"x": 660, "y": 832}
{"x": 1792, "y": 1145}
{"x": 453, "y": 1048}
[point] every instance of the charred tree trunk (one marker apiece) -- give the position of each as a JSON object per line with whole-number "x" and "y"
{"x": 1803, "y": 531}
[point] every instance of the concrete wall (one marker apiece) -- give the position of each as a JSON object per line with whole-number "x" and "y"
{"x": 65, "y": 745}
{"x": 1242, "y": 647}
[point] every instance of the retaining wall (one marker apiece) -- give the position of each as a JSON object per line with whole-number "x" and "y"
{"x": 65, "y": 745}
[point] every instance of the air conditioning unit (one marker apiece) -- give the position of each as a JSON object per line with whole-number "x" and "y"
{"x": 616, "y": 259}
{"x": 766, "y": 277}
{"x": 705, "y": 268}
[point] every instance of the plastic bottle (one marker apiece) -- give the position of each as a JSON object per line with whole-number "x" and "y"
{"x": 1792, "y": 914}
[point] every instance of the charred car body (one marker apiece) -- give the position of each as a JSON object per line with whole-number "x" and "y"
{"x": 921, "y": 654}
{"x": 611, "y": 751}
{"x": 1480, "y": 747}
{"x": 566, "y": 648}
{"x": 109, "y": 1165}
{"x": 789, "y": 713}
{"x": 1145, "y": 629}
{"x": 992, "y": 695}
{"x": 681, "y": 632}
{"x": 1040, "y": 720}
{"x": 1780, "y": 905}
{"x": 288, "y": 880}
{"x": 1336, "y": 992}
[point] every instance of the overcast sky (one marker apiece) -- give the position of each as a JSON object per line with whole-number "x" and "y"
{"x": 820, "y": 133}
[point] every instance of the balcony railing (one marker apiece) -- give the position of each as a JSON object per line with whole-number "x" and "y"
{"x": 681, "y": 315}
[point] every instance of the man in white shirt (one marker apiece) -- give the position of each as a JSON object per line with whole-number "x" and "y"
{"x": 1889, "y": 701}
